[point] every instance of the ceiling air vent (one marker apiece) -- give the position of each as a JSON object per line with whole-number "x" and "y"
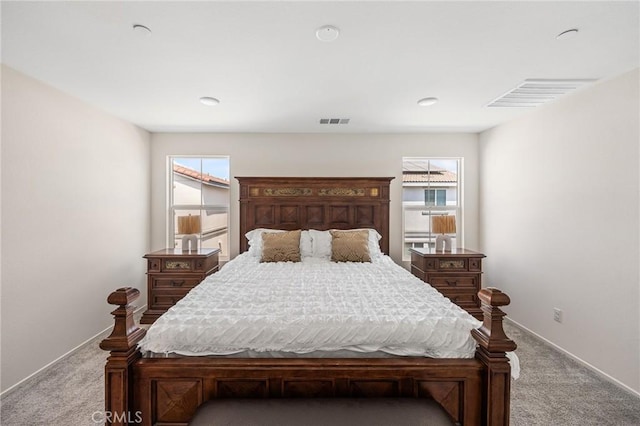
{"x": 334, "y": 120}
{"x": 531, "y": 93}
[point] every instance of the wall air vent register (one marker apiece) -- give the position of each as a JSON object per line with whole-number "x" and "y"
{"x": 334, "y": 120}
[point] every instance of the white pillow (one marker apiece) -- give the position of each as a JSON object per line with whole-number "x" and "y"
{"x": 255, "y": 242}
{"x": 321, "y": 242}
{"x": 306, "y": 246}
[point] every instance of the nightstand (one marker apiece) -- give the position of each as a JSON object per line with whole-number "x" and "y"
{"x": 457, "y": 274}
{"x": 171, "y": 273}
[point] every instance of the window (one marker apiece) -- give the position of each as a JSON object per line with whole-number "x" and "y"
{"x": 435, "y": 197}
{"x": 430, "y": 187}
{"x": 199, "y": 186}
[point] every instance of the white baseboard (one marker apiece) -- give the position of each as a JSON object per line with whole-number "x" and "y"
{"x": 578, "y": 359}
{"x": 60, "y": 358}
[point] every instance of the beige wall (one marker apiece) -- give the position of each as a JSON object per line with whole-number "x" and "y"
{"x": 315, "y": 155}
{"x": 546, "y": 179}
{"x": 75, "y": 209}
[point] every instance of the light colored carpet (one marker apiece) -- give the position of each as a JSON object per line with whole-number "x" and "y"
{"x": 67, "y": 393}
{"x": 552, "y": 390}
{"x": 556, "y": 390}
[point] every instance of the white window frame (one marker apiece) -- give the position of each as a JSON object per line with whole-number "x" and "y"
{"x": 172, "y": 208}
{"x": 458, "y": 209}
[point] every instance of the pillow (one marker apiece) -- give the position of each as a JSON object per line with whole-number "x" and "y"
{"x": 306, "y": 245}
{"x": 321, "y": 242}
{"x": 350, "y": 246}
{"x": 255, "y": 241}
{"x": 373, "y": 240}
{"x": 281, "y": 246}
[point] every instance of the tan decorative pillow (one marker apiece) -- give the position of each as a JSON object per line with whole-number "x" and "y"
{"x": 350, "y": 246}
{"x": 281, "y": 246}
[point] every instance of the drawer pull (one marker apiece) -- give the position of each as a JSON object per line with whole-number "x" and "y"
{"x": 453, "y": 283}
{"x": 177, "y": 283}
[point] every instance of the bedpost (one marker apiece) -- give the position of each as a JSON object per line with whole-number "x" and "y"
{"x": 493, "y": 344}
{"x": 122, "y": 343}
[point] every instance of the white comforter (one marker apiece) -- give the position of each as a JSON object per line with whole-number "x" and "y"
{"x": 314, "y": 305}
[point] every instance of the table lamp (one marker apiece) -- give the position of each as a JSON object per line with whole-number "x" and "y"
{"x": 189, "y": 227}
{"x": 443, "y": 225}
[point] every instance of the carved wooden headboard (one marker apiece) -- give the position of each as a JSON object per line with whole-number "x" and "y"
{"x": 314, "y": 203}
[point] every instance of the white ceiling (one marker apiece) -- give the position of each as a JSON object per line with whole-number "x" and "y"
{"x": 264, "y": 63}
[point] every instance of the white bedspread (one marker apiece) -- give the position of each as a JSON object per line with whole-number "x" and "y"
{"x": 314, "y": 305}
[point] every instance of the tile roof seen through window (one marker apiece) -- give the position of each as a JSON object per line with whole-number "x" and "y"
{"x": 417, "y": 171}
{"x": 203, "y": 177}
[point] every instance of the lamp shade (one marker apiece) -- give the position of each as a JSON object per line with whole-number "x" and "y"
{"x": 189, "y": 224}
{"x": 443, "y": 224}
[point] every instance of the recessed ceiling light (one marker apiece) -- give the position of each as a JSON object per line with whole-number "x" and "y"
{"x": 327, "y": 33}
{"x": 141, "y": 29}
{"x": 209, "y": 101}
{"x": 567, "y": 34}
{"x": 427, "y": 101}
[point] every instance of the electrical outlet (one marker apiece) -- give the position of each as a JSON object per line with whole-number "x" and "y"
{"x": 557, "y": 315}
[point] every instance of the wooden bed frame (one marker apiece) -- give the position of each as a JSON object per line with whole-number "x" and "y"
{"x": 167, "y": 391}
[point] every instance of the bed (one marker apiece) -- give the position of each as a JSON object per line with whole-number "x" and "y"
{"x": 167, "y": 390}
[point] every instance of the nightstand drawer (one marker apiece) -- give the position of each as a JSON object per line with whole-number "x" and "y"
{"x": 169, "y": 265}
{"x": 175, "y": 282}
{"x": 166, "y": 299}
{"x": 444, "y": 281}
{"x": 177, "y": 265}
{"x": 448, "y": 264}
{"x": 462, "y": 299}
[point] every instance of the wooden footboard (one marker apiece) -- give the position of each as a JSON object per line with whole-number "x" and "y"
{"x": 167, "y": 391}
